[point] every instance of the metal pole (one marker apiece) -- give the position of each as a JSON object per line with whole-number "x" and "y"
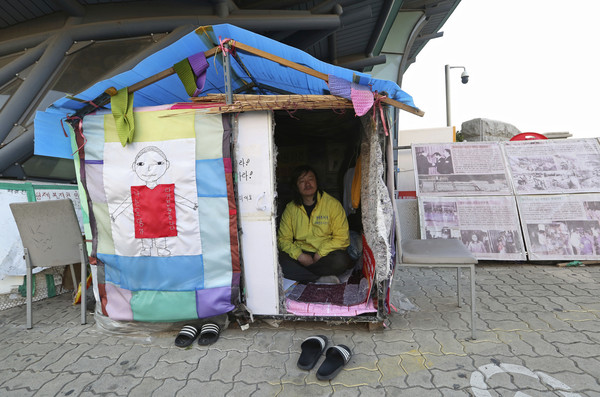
{"x": 10, "y": 70}
{"x": 448, "y": 118}
{"x": 20, "y": 149}
{"x": 30, "y": 88}
{"x": 227, "y": 75}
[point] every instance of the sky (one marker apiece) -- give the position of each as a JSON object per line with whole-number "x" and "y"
{"x": 532, "y": 63}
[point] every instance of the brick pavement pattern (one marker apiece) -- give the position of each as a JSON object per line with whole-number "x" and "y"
{"x": 538, "y": 334}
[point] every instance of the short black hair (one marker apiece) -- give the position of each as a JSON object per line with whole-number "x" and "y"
{"x": 297, "y": 173}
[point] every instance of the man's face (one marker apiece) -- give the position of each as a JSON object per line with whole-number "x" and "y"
{"x": 150, "y": 166}
{"x": 307, "y": 184}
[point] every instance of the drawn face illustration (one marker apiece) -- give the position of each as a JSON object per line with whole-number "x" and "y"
{"x": 150, "y": 166}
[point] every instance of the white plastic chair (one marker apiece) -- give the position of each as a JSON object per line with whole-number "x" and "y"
{"x": 441, "y": 253}
{"x": 51, "y": 236}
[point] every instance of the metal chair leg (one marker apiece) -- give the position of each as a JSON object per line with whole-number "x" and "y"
{"x": 458, "y": 286}
{"x": 29, "y": 288}
{"x": 83, "y": 282}
{"x": 473, "y": 327}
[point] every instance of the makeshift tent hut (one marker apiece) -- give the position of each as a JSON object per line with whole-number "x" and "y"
{"x": 217, "y": 172}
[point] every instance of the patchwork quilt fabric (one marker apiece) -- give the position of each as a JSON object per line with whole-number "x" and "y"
{"x": 162, "y": 215}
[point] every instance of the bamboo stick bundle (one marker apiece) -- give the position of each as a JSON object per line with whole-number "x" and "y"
{"x": 242, "y": 102}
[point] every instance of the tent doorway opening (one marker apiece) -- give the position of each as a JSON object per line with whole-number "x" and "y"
{"x": 328, "y": 141}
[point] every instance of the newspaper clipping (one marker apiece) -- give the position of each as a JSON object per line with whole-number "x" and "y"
{"x": 561, "y": 226}
{"x": 487, "y": 225}
{"x": 554, "y": 166}
{"x": 460, "y": 169}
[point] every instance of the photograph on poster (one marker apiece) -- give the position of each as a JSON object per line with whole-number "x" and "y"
{"x": 477, "y": 241}
{"x": 561, "y": 166}
{"x": 548, "y": 239}
{"x": 504, "y": 241}
{"x": 445, "y": 232}
{"x": 434, "y": 160}
{"x": 491, "y": 241}
{"x": 440, "y": 213}
{"x": 463, "y": 184}
{"x": 460, "y": 169}
{"x": 592, "y": 209}
{"x": 565, "y": 238}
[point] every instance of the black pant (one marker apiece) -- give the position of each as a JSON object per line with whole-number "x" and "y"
{"x": 334, "y": 263}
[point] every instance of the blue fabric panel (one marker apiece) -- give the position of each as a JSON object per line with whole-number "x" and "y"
{"x": 210, "y": 178}
{"x": 271, "y": 73}
{"x": 213, "y": 213}
{"x": 52, "y": 141}
{"x": 93, "y": 130}
{"x": 171, "y": 89}
{"x": 136, "y": 273}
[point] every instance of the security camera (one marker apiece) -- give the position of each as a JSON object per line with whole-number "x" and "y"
{"x": 464, "y": 77}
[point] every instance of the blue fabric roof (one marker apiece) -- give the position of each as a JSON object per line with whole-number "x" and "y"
{"x": 50, "y": 138}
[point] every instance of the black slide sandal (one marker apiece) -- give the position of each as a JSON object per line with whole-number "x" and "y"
{"x": 312, "y": 348}
{"x": 186, "y": 336}
{"x": 209, "y": 334}
{"x": 335, "y": 358}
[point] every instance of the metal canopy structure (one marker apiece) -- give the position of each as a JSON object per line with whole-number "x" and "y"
{"x": 52, "y": 48}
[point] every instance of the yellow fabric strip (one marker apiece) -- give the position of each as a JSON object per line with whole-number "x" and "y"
{"x": 209, "y": 142}
{"x": 121, "y": 106}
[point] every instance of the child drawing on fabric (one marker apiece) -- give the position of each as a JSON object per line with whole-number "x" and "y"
{"x": 153, "y": 203}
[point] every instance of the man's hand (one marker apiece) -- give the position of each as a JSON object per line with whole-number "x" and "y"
{"x": 305, "y": 259}
{"x": 316, "y": 257}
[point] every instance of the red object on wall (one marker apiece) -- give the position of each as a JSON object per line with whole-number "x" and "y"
{"x": 154, "y": 211}
{"x": 527, "y": 136}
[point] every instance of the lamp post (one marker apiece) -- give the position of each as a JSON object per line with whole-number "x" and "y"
{"x": 464, "y": 78}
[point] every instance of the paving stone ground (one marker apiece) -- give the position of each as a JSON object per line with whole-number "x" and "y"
{"x": 538, "y": 335}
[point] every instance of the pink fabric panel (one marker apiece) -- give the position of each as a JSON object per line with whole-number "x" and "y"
{"x": 362, "y": 99}
{"x": 319, "y": 309}
{"x": 117, "y": 303}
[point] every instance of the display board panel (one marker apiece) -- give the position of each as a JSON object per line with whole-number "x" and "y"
{"x": 11, "y": 248}
{"x": 460, "y": 169}
{"x": 561, "y": 227}
{"x": 554, "y": 166}
{"x": 487, "y": 225}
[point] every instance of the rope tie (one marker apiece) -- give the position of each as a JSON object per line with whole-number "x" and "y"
{"x": 376, "y": 105}
{"x": 78, "y": 131}
{"x": 224, "y": 49}
{"x": 93, "y": 104}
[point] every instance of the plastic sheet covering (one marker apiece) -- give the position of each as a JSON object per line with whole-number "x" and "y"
{"x": 145, "y": 331}
{"x": 401, "y": 303}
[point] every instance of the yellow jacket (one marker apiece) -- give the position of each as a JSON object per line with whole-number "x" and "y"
{"x": 326, "y": 231}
